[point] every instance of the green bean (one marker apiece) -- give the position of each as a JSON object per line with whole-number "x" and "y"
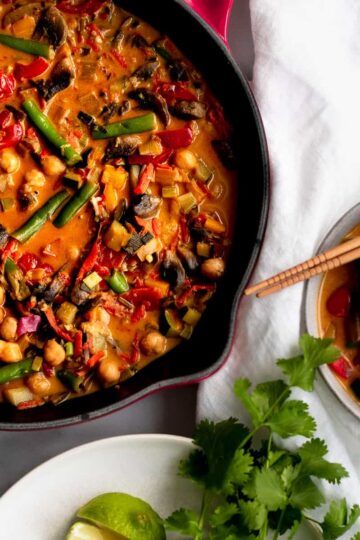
{"x": 76, "y": 203}
{"x": 70, "y": 380}
{"x": 15, "y": 277}
{"x": 26, "y": 45}
{"x": 137, "y": 124}
{"x": 49, "y": 131}
{"x": 15, "y": 371}
{"x": 118, "y": 282}
{"x": 41, "y": 216}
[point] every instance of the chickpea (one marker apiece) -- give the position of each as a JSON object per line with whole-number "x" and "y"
{"x": 52, "y": 166}
{"x": 109, "y": 371}
{"x": 153, "y": 343}
{"x": 185, "y": 159}
{"x": 35, "y": 178}
{"x": 10, "y": 352}
{"x": 9, "y": 160}
{"x": 73, "y": 253}
{"x": 2, "y": 296}
{"x": 213, "y": 268}
{"x": 38, "y": 384}
{"x": 54, "y": 353}
{"x": 8, "y": 328}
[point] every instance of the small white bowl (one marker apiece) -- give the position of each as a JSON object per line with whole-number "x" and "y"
{"x": 345, "y": 224}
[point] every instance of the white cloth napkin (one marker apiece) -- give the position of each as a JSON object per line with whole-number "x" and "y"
{"x": 307, "y": 85}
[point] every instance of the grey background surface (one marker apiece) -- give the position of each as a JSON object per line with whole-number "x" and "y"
{"x": 172, "y": 411}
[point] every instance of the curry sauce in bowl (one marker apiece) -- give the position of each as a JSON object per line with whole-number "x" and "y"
{"x": 117, "y": 198}
{"x": 333, "y": 311}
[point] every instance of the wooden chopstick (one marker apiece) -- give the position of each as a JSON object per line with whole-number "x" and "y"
{"x": 332, "y": 258}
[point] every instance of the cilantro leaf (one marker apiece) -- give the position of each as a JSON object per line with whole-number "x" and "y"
{"x": 183, "y": 521}
{"x": 338, "y": 520}
{"x": 356, "y": 536}
{"x": 222, "y": 514}
{"x": 217, "y": 445}
{"x": 270, "y": 489}
{"x": 289, "y": 475}
{"x": 290, "y": 519}
{"x": 301, "y": 369}
{"x": 238, "y": 471}
{"x": 253, "y": 513}
{"x": 265, "y": 398}
{"x": 313, "y": 463}
{"x": 292, "y": 419}
{"x": 305, "y": 494}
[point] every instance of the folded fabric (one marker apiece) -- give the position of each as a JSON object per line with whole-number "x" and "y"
{"x": 307, "y": 85}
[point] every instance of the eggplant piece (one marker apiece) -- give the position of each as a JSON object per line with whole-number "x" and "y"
{"x": 124, "y": 107}
{"x": 121, "y": 147}
{"x": 87, "y": 119}
{"x": 178, "y": 71}
{"x": 189, "y": 258}
{"x": 61, "y": 78}
{"x": 79, "y": 296}
{"x": 189, "y": 110}
{"x": 4, "y": 236}
{"x": 145, "y": 206}
{"x": 225, "y": 152}
{"x": 57, "y": 286}
{"x": 153, "y": 102}
{"x": 109, "y": 111}
{"x": 133, "y": 244}
{"x": 138, "y": 41}
{"x": 145, "y": 72}
{"x": 52, "y": 25}
{"x": 172, "y": 270}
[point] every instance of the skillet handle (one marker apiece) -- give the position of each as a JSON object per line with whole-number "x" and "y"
{"x": 214, "y": 12}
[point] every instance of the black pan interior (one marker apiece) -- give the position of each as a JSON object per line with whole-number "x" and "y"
{"x": 210, "y": 344}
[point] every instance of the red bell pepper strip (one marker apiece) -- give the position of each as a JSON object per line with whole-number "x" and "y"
{"x": 5, "y": 118}
{"x": 119, "y": 58}
{"x": 89, "y": 7}
{"x": 29, "y": 71}
{"x": 93, "y": 29}
{"x": 341, "y": 367}
{"x": 78, "y": 344}
{"x": 338, "y": 303}
{"x": 145, "y": 178}
{"x": 176, "y": 90}
{"x": 7, "y": 85}
{"x": 145, "y": 159}
{"x": 95, "y": 359}
{"x": 30, "y": 404}
{"x": 176, "y": 138}
{"x": 11, "y": 135}
{"x": 54, "y": 325}
{"x": 89, "y": 262}
{"x": 142, "y": 295}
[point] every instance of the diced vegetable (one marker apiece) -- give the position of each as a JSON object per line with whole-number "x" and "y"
{"x": 341, "y": 367}
{"x": 118, "y": 282}
{"x": 92, "y": 280}
{"x": 26, "y": 45}
{"x": 213, "y": 225}
{"x": 7, "y": 87}
{"x": 187, "y": 202}
{"x": 69, "y": 349}
{"x": 202, "y": 171}
{"x": 192, "y": 316}
{"x": 16, "y": 280}
{"x": 18, "y": 395}
{"x": 50, "y": 133}
{"x": 137, "y": 124}
{"x": 338, "y": 303}
{"x": 196, "y": 191}
{"x": 166, "y": 175}
{"x": 170, "y": 324}
{"x": 116, "y": 176}
{"x": 7, "y": 203}
{"x": 72, "y": 381}
{"x": 29, "y": 71}
{"x": 146, "y": 176}
{"x": 67, "y": 313}
{"x": 28, "y": 324}
{"x": 162, "y": 286}
{"x": 37, "y": 363}
{"x": 203, "y": 249}
{"x": 152, "y": 147}
{"x": 170, "y": 192}
{"x": 187, "y": 331}
{"x": 111, "y": 196}
{"x": 41, "y": 216}
{"x": 116, "y": 237}
{"x": 149, "y": 248}
{"x": 76, "y": 203}
{"x": 176, "y": 138}
{"x": 16, "y": 371}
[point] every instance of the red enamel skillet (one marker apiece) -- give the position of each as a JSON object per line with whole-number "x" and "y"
{"x": 206, "y": 46}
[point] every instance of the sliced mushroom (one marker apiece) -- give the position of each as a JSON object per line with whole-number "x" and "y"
{"x": 172, "y": 270}
{"x": 79, "y": 297}
{"x": 146, "y": 71}
{"x": 57, "y": 285}
{"x": 32, "y": 9}
{"x": 52, "y": 25}
{"x": 146, "y": 206}
{"x": 189, "y": 110}
{"x": 61, "y": 77}
{"x": 152, "y": 101}
{"x": 189, "y": 258}
{"x": 121, "y": 147}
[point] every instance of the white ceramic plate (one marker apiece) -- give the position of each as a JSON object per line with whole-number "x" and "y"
{"x": 350, "y": 220}
{"x": 41, "y": 505}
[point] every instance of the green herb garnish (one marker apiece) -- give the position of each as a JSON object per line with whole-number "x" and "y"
{"x": 250, "y": 490}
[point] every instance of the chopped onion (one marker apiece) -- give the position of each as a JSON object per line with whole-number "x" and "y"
{"x": 28, "y": 324}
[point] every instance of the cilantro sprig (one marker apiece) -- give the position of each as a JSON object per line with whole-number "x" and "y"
{"x": 253, "y": 492}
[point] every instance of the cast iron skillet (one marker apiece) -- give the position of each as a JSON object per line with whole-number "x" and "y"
{"x": 210, "y": 345}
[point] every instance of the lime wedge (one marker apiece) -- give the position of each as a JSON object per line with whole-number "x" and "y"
{"x": 125, "y": 515}
{"x": 84, "y": 531}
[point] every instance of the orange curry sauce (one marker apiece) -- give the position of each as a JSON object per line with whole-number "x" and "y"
{"x": 126, "y": 276}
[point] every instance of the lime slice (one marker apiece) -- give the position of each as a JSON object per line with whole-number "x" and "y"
{"x": 84, "y": 531}
{"x": 124, "y": 514}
